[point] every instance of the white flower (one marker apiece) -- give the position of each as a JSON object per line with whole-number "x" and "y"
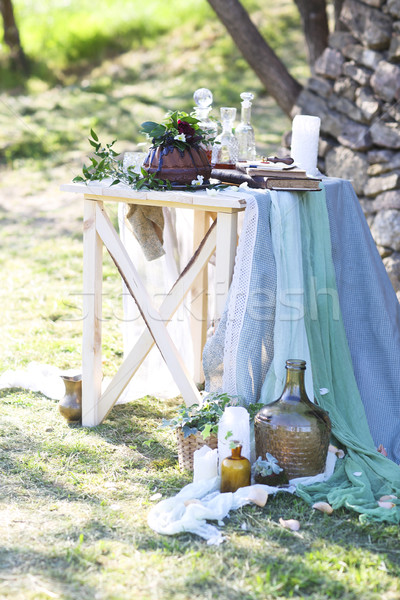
{"x": 199, "y": 179}
{"x": 243, "y": 185}
{"x": 181, "y": 137}
{"x": 211, "y": 191}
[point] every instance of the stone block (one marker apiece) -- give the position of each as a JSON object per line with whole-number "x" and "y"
{"x": 385, "y": 134}
{"x": 393, "y": 6}
{"x": 380, "y": 156}
{"x": 346, "y": 164}
{"x": 386, "y": 81}
{"x": 384, "y": 252}
{"x": 339, "y": 39}
{"x": 368, "y": 206}
{"x": 382, "y": 183}
{"x": 386, "y": 229}
{"x": 392, "y": 111}
{"x": 394, "y": 48}
{"x": 392, "y": 266}
{"x": 369, "y": 25}
{"x": 361, "y": 75}
{"x": 321, "y": 87}
{"x": 324, "y": 146}
{"x": 329, "y": 64}
{"x": 385, "y": 167}
{"x": 345, "y": 87}
{"x": 363, "y": 56}
{"x": 333, "y": 123}
{"x": 367, "y": 103}
{"x": 388, "y": 200}
{"x": 308, "y": 103}
{"x": 346, "y": 107}
{"x": 355, "y": 136}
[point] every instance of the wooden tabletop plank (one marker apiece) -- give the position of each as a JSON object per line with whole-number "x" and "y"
{"x": 221, "y": 201}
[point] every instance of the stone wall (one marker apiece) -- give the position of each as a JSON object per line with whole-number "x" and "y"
{"x": 355, "y": 90}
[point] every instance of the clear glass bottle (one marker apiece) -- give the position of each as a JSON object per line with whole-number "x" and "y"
{"x": 235, "y": 470}
{"x": 293, "y": 429}
{"x": 244, "y": 131}
{"x": 225, "y": 148}
{"x": 203, "y": 98}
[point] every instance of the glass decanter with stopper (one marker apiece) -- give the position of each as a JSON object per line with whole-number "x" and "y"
{"x": 235, "y": 470}
{"x": 244, "y": 131}
{"x": 203, "y": 99}
{"x": 225, "y": 148}
{"x": 292, "y": 429}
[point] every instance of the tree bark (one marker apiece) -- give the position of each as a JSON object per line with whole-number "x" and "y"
{"x": 315, "y": 26}
{"x": 259, "y": 55}
{"x": 11, "y": 36}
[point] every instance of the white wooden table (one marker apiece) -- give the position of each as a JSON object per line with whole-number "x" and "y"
{"x": 221, "y": 238}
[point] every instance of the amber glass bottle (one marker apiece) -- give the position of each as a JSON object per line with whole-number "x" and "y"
{"x": 293, "y": 429}
{"x": 235, "y": 471}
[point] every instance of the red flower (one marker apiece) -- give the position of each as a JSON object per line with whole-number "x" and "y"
{"x": 184, "y": 127}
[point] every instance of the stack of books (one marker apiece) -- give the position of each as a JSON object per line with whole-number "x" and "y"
{"x": 278, "y": 176}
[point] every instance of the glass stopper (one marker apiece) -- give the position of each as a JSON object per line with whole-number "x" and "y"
{"x": 246, "y": 97}
{"x": 203, "y": 97}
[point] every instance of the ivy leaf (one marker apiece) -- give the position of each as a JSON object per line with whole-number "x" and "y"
{"x": 78, "y": 179}
{"x": 188, "y": 431}
{"x": 206, "y": 431}
{"x": 115, "y": 182}
{"x": 94, "y": 135}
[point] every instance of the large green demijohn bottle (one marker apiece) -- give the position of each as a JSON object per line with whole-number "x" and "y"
{"x": 293, "y": 429}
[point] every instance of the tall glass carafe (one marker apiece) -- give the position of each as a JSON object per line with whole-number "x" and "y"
{"x": 225, "y": 148}
{"x": 203, "y": 99}
{"x": 244, "y": 131}
{"x": 293, "y": 429}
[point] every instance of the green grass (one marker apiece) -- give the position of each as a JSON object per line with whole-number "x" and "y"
{"x": 74, "y": 501}
{"x": 73, "y": 512}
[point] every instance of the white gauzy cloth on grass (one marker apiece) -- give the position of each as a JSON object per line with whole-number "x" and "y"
{"x": 36, "y": 377}
{"x": 200, "y": 502}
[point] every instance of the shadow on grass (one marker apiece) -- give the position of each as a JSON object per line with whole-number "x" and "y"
{"x": 133, "y": 426}
{"x": 53, "y": 566}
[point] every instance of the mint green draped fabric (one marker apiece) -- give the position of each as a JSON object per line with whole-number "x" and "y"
{"x": 364, "y": 475}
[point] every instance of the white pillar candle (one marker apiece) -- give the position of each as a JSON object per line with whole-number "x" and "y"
{"x": 205, "y": 464}
{"x": 305, "y": 138}
{"x": 236, "y": 421}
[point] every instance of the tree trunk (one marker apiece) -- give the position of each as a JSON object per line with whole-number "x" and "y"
{"x": 11, "y": 36}
{"x": 259, "y": 55}
{"x": 315, "y": 26}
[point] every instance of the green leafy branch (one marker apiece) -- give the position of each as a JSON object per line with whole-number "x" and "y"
{"x": 105, "y": 164}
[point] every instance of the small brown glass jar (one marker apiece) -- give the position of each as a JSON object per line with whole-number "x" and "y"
{"x": 235, "y": 471}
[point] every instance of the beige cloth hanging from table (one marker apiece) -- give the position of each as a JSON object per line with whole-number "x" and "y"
{"x": 147, "y": 223}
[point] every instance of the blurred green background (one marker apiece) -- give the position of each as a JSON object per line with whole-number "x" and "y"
{"x": 114, "y": 63}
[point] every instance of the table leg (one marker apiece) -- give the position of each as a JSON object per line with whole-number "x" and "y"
{"x": 199, "y": 299}
{"x": 92, "y": 311}
{"x": 225, "y": 258}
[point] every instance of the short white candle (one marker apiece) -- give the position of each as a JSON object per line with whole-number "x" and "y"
{"x": 205, "y": 464}
{"x": 305, "y": 138}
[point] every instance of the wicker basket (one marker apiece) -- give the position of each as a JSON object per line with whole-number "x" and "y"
{"x": 187, "y": 447}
